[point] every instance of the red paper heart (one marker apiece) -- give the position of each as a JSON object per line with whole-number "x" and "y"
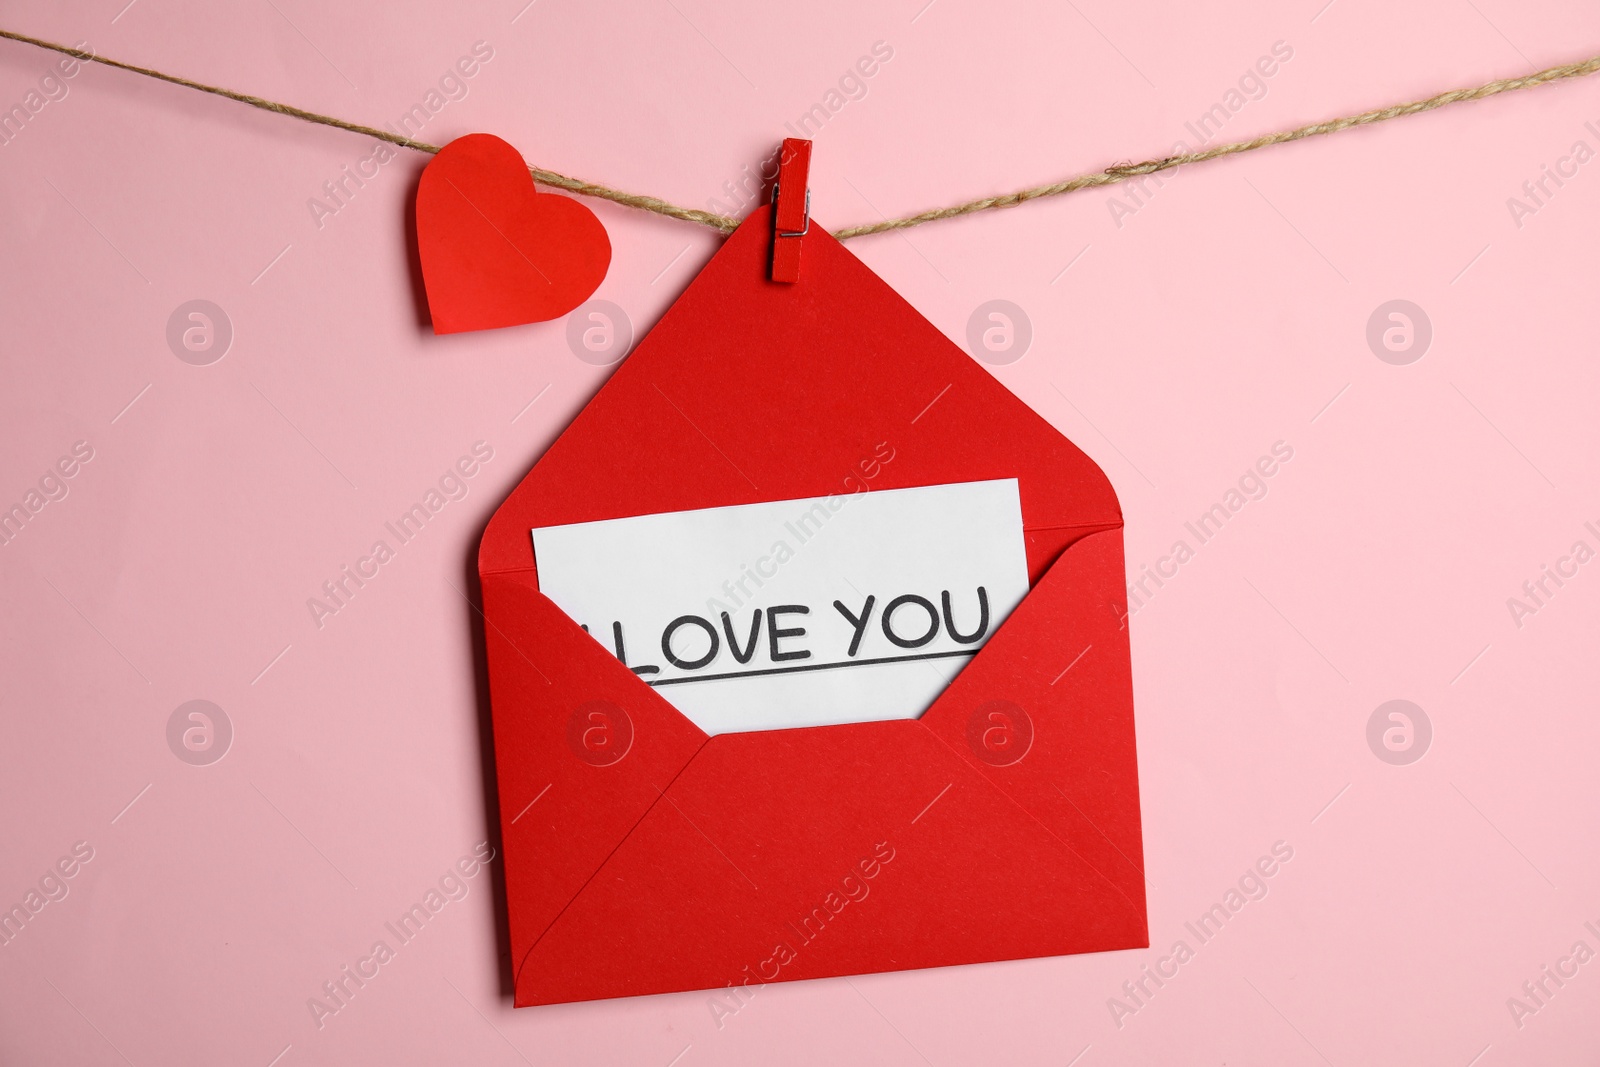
{"x": 496, "y": 252}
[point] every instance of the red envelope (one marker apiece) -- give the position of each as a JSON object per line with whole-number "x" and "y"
{"x": 642, "y": 856}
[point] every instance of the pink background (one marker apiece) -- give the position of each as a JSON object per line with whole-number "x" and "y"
{"x": 1227, "y": 314}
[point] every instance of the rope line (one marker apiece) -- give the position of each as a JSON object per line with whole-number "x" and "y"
{"x": 727, "y": 224}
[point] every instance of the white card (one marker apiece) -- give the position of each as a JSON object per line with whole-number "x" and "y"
{"x": 812, "y": 612}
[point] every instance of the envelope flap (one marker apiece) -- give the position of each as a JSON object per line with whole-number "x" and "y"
{"x": 1045, "y": 711}
{"x": 834, "y": 850}
{"x": 751, "y": 391}
{"x": 582, "y": 750}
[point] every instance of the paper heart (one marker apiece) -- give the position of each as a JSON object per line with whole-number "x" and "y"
{"x": 495, "y": 251}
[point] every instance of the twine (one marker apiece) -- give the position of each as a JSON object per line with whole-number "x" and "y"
{"x": 727, "y": 223}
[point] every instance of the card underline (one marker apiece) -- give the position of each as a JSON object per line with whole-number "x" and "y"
{"x": 813, "y": 667}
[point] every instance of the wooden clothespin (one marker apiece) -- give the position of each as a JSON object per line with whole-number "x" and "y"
{"x": 791, "y": 208}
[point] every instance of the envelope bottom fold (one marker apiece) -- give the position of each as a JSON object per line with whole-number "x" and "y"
{"x": 821, "y": 852}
